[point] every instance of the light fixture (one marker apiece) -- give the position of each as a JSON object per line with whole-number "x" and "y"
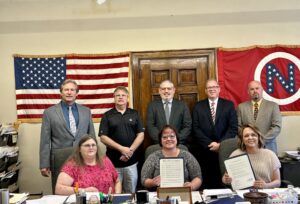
{"x": 100, "y": 1}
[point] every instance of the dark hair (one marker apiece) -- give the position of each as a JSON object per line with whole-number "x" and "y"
{"x": 241, "y": 144}
{"x": 77, "y": 157}
{"x": 163, "y": 129}
{"x": 68, "y": 81}
{"x": 122, "y": 88}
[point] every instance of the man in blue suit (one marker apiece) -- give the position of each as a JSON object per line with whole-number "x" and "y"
{"x": 214, "y": 120}
{"x": 60, "y": 129}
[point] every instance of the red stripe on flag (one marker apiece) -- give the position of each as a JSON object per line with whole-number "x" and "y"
{"x": 97, "y": 66}
{"x": 38, "y": 96}
{"x": 102, "y": 86}
{"x": 103, "y": 76}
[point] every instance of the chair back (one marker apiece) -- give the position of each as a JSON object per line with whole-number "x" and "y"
{"x": 154, "y": 148}
{"x": 59, "y": 156}
{"x": 226, "y": 148}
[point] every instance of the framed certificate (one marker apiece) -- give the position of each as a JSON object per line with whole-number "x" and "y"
{"x": 171, "y": 172}
{"x": 240, "y": 170}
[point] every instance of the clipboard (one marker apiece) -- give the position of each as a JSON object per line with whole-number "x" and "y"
{"x": 171, "y": 170}
{"x": 239, "y": 168}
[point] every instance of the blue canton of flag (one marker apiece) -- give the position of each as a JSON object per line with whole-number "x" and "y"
{"x": 39, "y": 73}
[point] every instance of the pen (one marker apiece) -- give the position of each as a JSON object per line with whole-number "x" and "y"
{"x": 76, "y": 187}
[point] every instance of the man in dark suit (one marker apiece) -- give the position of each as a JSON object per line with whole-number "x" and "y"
{"x": 179, "y": 116}
{"x": 214, "y": 120}
{"x": 63, "y": 125}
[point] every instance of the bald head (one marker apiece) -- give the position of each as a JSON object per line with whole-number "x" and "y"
{"x": 255, "y": 90}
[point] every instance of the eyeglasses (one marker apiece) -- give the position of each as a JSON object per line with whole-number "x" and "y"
{"x": 212, "y": 87}
{"x": 166, "y": 88}
{"x": 165, "y": 137}
{"x": 120, "y": 95}
{"x": 89, "y": 145}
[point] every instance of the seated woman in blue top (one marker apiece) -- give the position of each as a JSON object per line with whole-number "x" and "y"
{"x": 168, "y": 140}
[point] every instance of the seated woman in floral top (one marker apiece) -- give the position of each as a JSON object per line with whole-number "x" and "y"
{"x": 92, "y": 172}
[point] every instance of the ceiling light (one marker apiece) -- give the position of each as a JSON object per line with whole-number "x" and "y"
{"x": 100, "y": 1}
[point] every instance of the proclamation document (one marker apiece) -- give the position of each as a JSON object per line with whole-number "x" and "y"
{"x": 240, "y": 170}
{"x": 171, "y": 172}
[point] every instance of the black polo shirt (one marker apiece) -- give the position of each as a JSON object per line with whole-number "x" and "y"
{"x": 123, "y": 129}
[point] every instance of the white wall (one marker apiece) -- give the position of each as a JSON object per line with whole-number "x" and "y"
{"x": 88, "y": 30}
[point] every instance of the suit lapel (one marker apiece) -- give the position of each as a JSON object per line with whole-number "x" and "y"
{"x": 61, "y": 116}
{"x": 161, "y": 111}
{"x": 207, "y": 109}
{"x": 250, "y": 112}
{"x": 173, "y": 111}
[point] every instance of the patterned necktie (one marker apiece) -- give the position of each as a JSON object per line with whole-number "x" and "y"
{"x": 255, "y": 112}
{"x": 213, "y": 111}
{"x": 167, "y": 111}
{"x": 72, "y": 121}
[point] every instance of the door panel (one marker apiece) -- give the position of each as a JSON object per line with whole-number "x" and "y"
{"x": 187, "y": 69}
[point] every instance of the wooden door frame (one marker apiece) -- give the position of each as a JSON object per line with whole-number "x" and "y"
{"x": 137, "y": 56}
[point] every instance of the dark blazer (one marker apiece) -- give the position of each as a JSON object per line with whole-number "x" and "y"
{"x": 180, "y": 119}
{"x": 56, "y": 134}
{"x": 205, "y": 131}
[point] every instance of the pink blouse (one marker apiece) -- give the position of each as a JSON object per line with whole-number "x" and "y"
{"x": 101, "y": 177}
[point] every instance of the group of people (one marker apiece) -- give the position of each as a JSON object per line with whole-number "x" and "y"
{"x": 172, "y": 129}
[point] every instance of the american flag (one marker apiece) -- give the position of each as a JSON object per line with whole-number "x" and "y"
{"x": 38, "y": 81}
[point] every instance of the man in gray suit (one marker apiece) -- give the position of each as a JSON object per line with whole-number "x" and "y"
{"x": 63, "y": 125}
{"x": 179, "y": 115}
{"x": 265, "y": 115}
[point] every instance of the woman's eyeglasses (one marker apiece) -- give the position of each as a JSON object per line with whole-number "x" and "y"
{"x": 165, "y": 137}
{"x": 89, "y": 145}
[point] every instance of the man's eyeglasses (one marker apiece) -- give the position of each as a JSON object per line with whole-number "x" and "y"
{"x": 165, "y": 137}
{"x": 212, "y": 87}
{"x": 89, "y": 145}
{"x": 120, "y": 95}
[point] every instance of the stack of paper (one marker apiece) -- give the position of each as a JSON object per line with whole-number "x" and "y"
{"x": 293, "y": 154}
{"x": 18, "y": 198}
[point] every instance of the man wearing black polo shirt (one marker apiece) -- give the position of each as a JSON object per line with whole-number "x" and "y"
{"x": 122, "y": 131}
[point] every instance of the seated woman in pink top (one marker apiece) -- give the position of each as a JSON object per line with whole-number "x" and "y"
{"x": 92, "y": 172}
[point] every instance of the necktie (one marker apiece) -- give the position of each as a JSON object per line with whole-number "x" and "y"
{"x": 167, "y": 111}
{"x": 213, "y": 111}
{"x": 72, "y": 121}
{"x": 255, "y": 112}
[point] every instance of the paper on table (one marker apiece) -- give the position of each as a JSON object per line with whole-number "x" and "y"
{"x": 171, "y": 172}
{"x": 240, "y": 170}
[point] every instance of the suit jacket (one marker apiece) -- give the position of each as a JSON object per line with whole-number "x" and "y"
{"x": 268, "y": 120}
{"x": 180, "y": 119}
{"x": 56, "y": 134}
{"x": 205, "y": 131}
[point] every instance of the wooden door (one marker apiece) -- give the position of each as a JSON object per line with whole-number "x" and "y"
{"x": 187, "y": 69}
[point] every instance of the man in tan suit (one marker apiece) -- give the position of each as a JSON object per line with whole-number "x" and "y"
{"x": 265, "y": 115}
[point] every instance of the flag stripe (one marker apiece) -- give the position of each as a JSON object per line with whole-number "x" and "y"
{"x": 93, "y": 77}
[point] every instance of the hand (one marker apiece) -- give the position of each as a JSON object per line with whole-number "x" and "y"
{"x": 214, "y": 146}
{"x": 127, "y": 152}
{"x": 188, "y": 184}
{"x": 45, "y": 172}
{"x": 91, "y": 189}
{"x": 259, "y": 184}
{"x": 124, "y": 158}
{"x": 226, "y": 179}
{"x": 156, "y": 181}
